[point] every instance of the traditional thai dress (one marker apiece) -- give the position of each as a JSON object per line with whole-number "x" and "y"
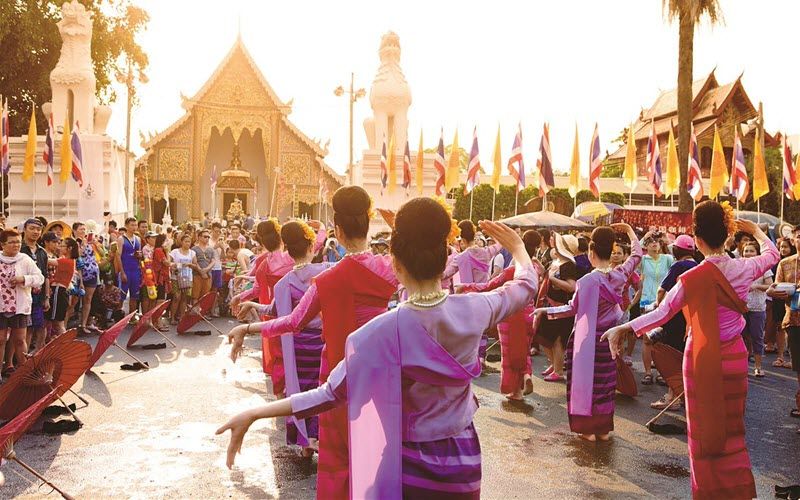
{"x": 268, "y": 269}
{"x": 472, "y": 266}
{"x": 515, "y": 334}
{"x": 406, "y": 381}
{"x": 301, "y": 351}
{"x": 348, "y": 295}
{"x": 591, "y": 372}
{"x": 715, "y": 368}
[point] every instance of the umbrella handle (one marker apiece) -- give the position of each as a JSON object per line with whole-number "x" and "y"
{"x": 13, "y": 456}
{"x": 132, "y": 356}
{"x": 160, "y": 333}
{"x": 79, "y": 397}
{"x": 70, "y": 411}
{"x": 676, "y": 398}
{"x": 211, "y": 324}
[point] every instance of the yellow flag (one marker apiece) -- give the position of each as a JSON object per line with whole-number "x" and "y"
{"x": 630, "y": 176}
{"x": 760, "y": 184}
{"x": 575, "y": 168}
{"x": 390, "y": 166}
{"x": 30, "y": 149}
{"x": 797, "y": 185}
{"x": 66, "y": 153}
{"x": 497, "y": 163}
{"x": 420, "y": 163}
{"x": 453, "y": 166}
{"x": 719, "y": 169}
{"x": 672, "y": 176}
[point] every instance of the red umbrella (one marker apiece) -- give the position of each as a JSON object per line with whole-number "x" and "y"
{"x": 58, "y": 365}
{"x": 15, "y": 428}
{"x": 199, "y": 311}
{"x": 626, "y": 383}
{"x": 146, "y": 321}
{"x": 109, "y": 338}
{"x": 669, "y": 363}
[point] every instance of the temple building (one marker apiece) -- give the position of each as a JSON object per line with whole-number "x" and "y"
{"x": 236, "y": 126}
{"x": 724, "y": 106}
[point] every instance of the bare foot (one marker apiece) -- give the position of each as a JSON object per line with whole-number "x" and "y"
{"x": 604, "y": 437}
{"x": 587, "y": 437}
{"x": 307, "y": 452}
{"x": 515, "y": 396}
{"x": 528, "y": 385}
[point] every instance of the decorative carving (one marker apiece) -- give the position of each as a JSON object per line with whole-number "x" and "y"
{"x": 173, "y": 164}
{"x": 290, "y": 141}
{"x": 295, "y": 169}
{"x": 390, "y": 96}
{"x": 182, "y": 136}
{"x": 238, "y": 85}
{"x": 75, "y": 62}
{"x": 237, "y": 122}
{"x": 237, "y": 183}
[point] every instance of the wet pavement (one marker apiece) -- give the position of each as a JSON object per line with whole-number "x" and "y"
{"x": 151, "y": 435}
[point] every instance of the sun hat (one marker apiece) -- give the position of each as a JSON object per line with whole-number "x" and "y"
{"x": 566, "y": 246}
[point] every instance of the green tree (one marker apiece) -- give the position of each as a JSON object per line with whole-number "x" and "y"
{"x": 688, "y": 13}
{"x": 31, "y": 45}
{"x": 614, "y": 169}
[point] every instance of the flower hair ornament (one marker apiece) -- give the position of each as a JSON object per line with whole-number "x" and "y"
{"x": 455, "y": 231}
{"x": 729, "y": 219}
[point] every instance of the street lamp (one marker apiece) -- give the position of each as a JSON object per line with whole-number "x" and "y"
{"x": 354, "y": 96}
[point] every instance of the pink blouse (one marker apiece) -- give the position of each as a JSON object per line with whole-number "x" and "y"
{"x": 739, "y": 272}
{"x": 482, "y": 254}
{"x": 309, "y": 306}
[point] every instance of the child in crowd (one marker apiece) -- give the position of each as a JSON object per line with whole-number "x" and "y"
{"x": 756, "y": 309}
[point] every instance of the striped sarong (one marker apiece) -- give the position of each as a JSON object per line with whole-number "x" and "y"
{"x": 444, "y": 469}
{"x": 605, "y": 383}
{"x": 729, "y": 474}
{"x": 307, "y": 352}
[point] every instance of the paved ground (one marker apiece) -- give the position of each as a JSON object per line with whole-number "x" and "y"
{"x": 150, "y": 435}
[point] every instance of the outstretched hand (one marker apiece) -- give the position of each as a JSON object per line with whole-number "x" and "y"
{"x": 238, "y": 425}
{"x": 615, "y": 336}
{"x": 236, "y": 339}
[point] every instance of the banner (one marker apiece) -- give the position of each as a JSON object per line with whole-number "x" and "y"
{"x": 667, "y": 222}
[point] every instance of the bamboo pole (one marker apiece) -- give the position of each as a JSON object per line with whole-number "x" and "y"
{"x": 13, "y": 456}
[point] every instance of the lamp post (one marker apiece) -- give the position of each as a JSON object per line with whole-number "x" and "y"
{"x": 354, "y": 95}
{"x": 128, "y": 79}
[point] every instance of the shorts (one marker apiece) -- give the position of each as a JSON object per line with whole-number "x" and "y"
{"x": 754, "y": 329}
{"x": 14, "y": 322}
{"x": 793, "y": 337}
{"x": 58, "y": 304}
{"x": 37, "y": 316}
{"x": 178, "y": 291}
{"x": 216, "y": 279}
{"x": 134, "y": 284}
{"x": 161, "y": 292}
{"x": 200, "y": 286}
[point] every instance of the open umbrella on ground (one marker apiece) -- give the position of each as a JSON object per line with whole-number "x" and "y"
{"x": 16, "y": 427}
{"x": 198, "y": 312}
{"x": 545, "y": 219}
{"x": 669, "y": 363}
{"x": 149, "y": 319}
{"x": 109, "y": 338}
{"x": 626, "y": 383}
{"x": 59, "y": 365}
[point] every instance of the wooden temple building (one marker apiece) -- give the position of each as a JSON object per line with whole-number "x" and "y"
{"x": 236, "y": 122}
{"x": 724, "y": 106}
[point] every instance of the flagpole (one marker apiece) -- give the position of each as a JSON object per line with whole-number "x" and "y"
{"x": 494, "y": 197}
{"x": 544, "y": 202}
{"x": 34, "y": 186}
{"x": 516, "y": 199}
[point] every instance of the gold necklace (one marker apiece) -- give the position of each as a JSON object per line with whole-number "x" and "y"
{"x": 716, "y": 254}
{"x": 427, "y": 300}
{"x": 604, "y": 270}
{"x": 362, "y": 252}
{"x": 297, "y": 267}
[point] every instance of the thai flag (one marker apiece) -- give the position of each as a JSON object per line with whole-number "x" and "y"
{"x": 48, "y": 156}
{"x": 77, "y": 157}
{"x": 739, "y": 184}
{"x": 789, "y": 178}
{"x": 5, "y": 163}
{"x": 406, "y": 168}
{"x": 438, "y": 164}
{"x": 694, "y": 183}
{"x": 474, "y": 166}
{"x": 214, "y": 178}
{"x": 654, "y": 162}
{"x": 595, "y": 164}
{"x": 517, "y": 173}
{"x": 545, "y": 163}
{"x": 384, "y": 172}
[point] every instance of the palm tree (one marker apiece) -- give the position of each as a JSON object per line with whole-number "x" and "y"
{"x": 687, "y": 13}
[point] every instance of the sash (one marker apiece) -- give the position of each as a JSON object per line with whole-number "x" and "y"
{"x": 376, "y": 360}
{"x": 700, "y": 308}
{"x": 588, "y": 291}
{"x": 269, "y": 347}
{"x": 468, "y": 263}
{"x": 338, "y": 288}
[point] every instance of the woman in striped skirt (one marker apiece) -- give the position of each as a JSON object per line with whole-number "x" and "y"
{"x": 406, "y": 377}
{"x": 715, "y": 360}
{"x": 591, "y": 372}
{"x": 302, "y": 351}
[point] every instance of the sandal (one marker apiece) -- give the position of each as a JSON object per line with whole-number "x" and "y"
{"x": 778, "y": 363}
{"x": 795, "y": 413}
{"x": 548, "y": 371}
{"x": 660, "y": 381}
{"x": 647, "y": 380}
{"x": 553, "y": 377}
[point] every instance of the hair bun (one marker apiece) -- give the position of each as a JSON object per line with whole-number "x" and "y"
{"x": 352, "y": 201}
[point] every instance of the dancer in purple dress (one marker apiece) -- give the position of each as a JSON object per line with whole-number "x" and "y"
{"x": 406, "y": 377}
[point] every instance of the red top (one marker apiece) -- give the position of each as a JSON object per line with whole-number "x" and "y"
{"x": 160, "y": 266}
{"x": 63, "y": 273}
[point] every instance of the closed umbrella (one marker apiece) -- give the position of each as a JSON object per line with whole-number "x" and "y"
{"x": 147, "y": 320}
{"x": 16, "y": 427}
{"x": 109, "y": 338}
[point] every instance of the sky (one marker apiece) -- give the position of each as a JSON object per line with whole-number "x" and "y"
{"x": 468, "y": 63}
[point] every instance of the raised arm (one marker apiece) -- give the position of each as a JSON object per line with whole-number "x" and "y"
{"x": 757, "y": 266}
{"x": 505, "y": 275}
